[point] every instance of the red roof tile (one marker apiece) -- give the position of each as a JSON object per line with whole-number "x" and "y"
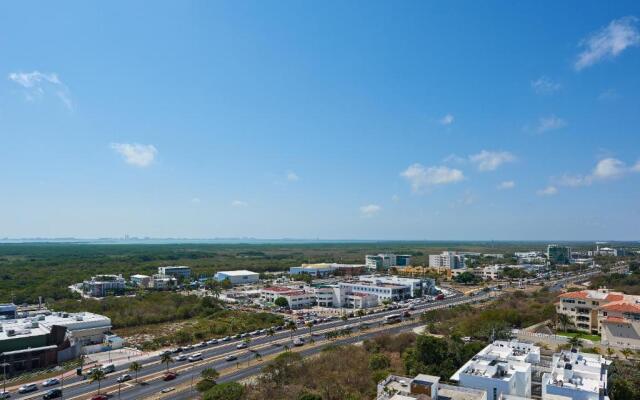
{"x": 616, "y": 320}
{"x": 622, "y": 307}
{"x": 614, "y": 297}
{"x": 583, "y": 294}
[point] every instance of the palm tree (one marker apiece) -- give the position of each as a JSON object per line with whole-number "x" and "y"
{"x": 215, "y": 288}
{"x": 97, "y": 375}
{"x": 247, "y": 341}
{"x": 360, "y": 313}
{"x": 271, "y": 332}
{"x": 286, "y": 347}
{"x": 292, "y": 327}
{"x": 344, "y": 317}
{"x": 135, "y": 367}
{"x": 610, "y": 351}
{"x": 564, "y": 320}
{"x": 258, "y": 356}
{"x": 210, "y": 374}
{"x": 575, "y": 341}
{"x": 166, "y": 359}
{"x": 310, "y": 326}
{"x": 626, "y": 352}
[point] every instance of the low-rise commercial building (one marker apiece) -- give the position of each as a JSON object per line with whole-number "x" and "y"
{"x": 163, "y": 282}
{"x": 177, "y": 271}
{"x": 238, "y": 277}
{"x": 424, "y": 387}
{"x": 8, "y": 311}
{"x": 576, "y": 376}
{"x": 296, "y": 298}
{"x": 104, "y": 285}
{"x": 501, "y": 368}
{"x": 447, "y": 259}
{"x": 418, "y": 286}
{"x": 45, "y": 339}
{"x": 142, "y": 281}
{"x": 327, "y": 269}
{"x": 558, "y": 255}
{"x": 382, "y": 262}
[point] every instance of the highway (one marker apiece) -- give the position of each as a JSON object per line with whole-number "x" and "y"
{"x": 213, "y": 355}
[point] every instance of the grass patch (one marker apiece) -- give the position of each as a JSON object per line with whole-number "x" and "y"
{"x": 593, "y": 338}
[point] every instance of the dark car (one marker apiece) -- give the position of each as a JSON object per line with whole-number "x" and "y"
{"x": 169, "y": 376}
{"x": 52, "y": 394}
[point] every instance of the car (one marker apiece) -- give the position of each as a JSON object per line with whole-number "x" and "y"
{"x": 167, "y": 390}
{"x": 169, "y": 376}
{"x": 244, "y": 335}
{"x": 202, "y": 344}
{"x": 212, "y": 342}
{"x": 241, "y": 346}
{"x": 226, "y": 339}
{"x": 236, "y": 336}
{"x": 51, "y": 382}
{"x": 181, "y": 357}
{"x": 123, "y": 378}
{"x": 230, "y": 358}
{"x": 100, "y": 397}
{"x": 254, "y": 333}
{"x": 5, "y": 395}
{"x": 29, "y": 387}
{"x": 52, "y": 394}
{"x": 298, "y": 342}
{"x": 195, "y": 357}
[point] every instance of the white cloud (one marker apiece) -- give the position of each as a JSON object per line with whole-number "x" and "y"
{"x": 548, "y": 191}
{"x": 636, "y": 167}
{"x": 421, "y": 177}
{"x": 609, "y": 168}
{"x": 608, "y": 42}
{"x": 544, "y": 85}
{"x": 573, "y": 180}
{"x": 491, "y": 160}
{"x": 140, "y": 155}
{"x": 36, "y": 84}
{"x": 292, "y": 176}
{"x": 550, "y": 123}
{"x": 395, "y": 198}
{"x": 447, "y": 120}
{"x": 506, "y": 185}
{"x": 195, "y": 200}
{"x": 239, "y": 203}
{"x": 370, "y": 210}
{"x": 608, "y": 95}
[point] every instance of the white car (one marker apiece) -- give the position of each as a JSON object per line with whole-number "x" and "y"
{"x": 241, "y": 346}
{"x": 5, "y": 395}
{"x": 29, "y": 387}
{"x": 195, "y": 357}
{"x": 51, "y": 382}
{"x": 212, "y": 342}
{"x": 181, "y": 357}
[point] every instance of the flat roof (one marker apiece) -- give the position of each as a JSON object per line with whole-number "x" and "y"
{"x": 41, "y": 324}
{"x": 238, "y": 272}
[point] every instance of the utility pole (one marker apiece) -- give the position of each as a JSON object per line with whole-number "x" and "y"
{"x": 4, "y": 376}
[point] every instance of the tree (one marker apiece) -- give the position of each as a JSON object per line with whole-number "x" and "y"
{"x": 271, "y": 332}
{"x": 575, "y": 341}
{"x": 361, "y": 313}
{"x": 466, "y": 278}
{"x": 310, "y": 326}
{"x": 610, "y": 351}
{"x": 344, "y": 317}
{"x": 564, "y": 320}
{"x": 626, "y": 352}
{"x": 135, "y": 367}
{"x": 166, "y": 359}
{"x": 225, "y": 391}
{"x": 378, "y": 361}
{"x": 210, "y": 374}
{"x": 292, "y": 327}
{"x": 281, "y": 302}
{"x": 97, "y": 375}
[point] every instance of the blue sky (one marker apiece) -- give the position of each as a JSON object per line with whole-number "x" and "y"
{"x": 333, "y": 120}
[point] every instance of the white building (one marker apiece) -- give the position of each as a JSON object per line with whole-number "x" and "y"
{"x": 418, "y": 287}
{"x": 239, "y": 277}
{"x": 175, "y": 271}
{"x": 501, "y": 368}
{"x": 140, "y": 280}
{"x": 383, "y": 291}
{"x": 104, "y": 285}
{"x": 422, "y": 387}
{"x": 296, "y": 298}
{"x": 448, "y": 259}
{"x": 378, "y": 262}
{"x": 163, "y": 282}
{"x": 326, "y": 269}
{"x": 530, "y": 257}
{"x": 576, "y": 376}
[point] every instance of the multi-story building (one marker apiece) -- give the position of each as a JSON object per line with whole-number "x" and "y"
{"x": 558, "y": 255}
{"x": 239, "y": 277}
{"x": 383, "y": 291}
{"x": 613, "y": 315}
{"x": 178, "y": 272}
{"x": 448, "y": 259}
{"x": 501, "y": 368}
{"x": 296, "y": 298}
{"x": 104, "y": 285}
{"x": 576, "y": 376}
{"x": 327, "y": 269}
{"x": 163, "y": 282}
{"x": 139, "y": 280}
{"x": 530, "y": 257}
{"x": 381, "y": 262}
{"x": 418, "y": 287}
{"x": 45, "y": 339}
{"x": 424, "y": 387}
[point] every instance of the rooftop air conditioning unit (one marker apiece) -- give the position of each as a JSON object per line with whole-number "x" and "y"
{"x": 11, "y": 332}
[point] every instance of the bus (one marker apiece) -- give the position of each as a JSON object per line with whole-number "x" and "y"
{"x": 392, "y": 319}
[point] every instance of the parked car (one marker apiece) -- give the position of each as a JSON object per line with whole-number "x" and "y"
{"x": 28, "y": 388}
{"x": 52, "y": 394}
{"x": 123, "y": 378}
{"x": 181, "y": 357}
{"x": 230, "y": 358}
{"x": 51, "y": 382}
{"x": 195, "y": 357}
{"x": 5, "y": 395}
{"x": 169, "y": 376}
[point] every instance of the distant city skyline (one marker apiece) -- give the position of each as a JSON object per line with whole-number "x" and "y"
{"x": 333, "y": 121}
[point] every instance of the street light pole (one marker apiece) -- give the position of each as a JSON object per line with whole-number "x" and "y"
{"x": 4, "y": 376}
